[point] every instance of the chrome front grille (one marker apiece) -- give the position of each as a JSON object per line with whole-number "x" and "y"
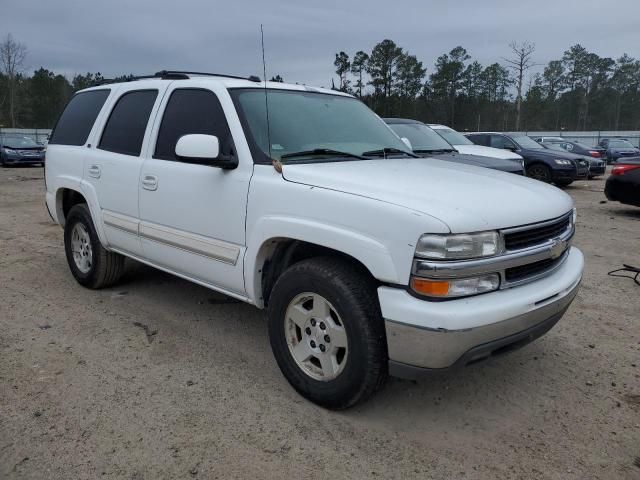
{"x": 531, "y": 252}
{"x": 531, "y": 235}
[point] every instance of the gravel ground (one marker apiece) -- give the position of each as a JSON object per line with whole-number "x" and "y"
{"x": 159, "y": 378}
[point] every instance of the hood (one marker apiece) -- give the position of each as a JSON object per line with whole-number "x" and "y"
{"x": 487, "y": 152}
{"x": 465, "y": 198}
{"x": 545, "y": 153}
{"x": 567, "y": 155}
{"x": 513, "y": 166}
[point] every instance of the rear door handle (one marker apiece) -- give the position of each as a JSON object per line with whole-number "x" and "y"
{"x": 94, "y": 171}
{"x": 150, "y": 182}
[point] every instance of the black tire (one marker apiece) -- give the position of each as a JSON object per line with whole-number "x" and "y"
{"x": 353, "y": 295}
{"x": 540, "y": 172}
{"x": 106, "y": 267}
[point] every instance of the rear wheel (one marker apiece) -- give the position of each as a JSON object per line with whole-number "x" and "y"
{"x": 90, "y": 263}
{"x": 327, "y": 333}
{"x": 539, "y": 172}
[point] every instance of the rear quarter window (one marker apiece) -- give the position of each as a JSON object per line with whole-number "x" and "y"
{"x": 75, "y": 122}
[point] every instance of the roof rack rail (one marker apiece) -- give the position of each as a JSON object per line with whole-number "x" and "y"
{"x": 185, "y": 74}
{"x": 172, "y": 75}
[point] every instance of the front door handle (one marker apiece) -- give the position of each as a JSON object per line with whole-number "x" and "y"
{"x": 150, "y": 182}
{"x": 94, "y": 171}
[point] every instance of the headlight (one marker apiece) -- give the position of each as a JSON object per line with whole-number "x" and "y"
{"x": 10, "y": 151}
{"x": 561, "y": 161}
{"x": 459, "y": 246}
{"x": 574, "y": 216}
{"x": 455, "y": 287}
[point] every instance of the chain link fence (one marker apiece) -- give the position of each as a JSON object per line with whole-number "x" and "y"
{"x": 41, "y": 135}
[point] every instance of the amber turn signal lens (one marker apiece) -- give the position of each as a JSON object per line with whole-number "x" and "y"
{"x": 431, "y": 288}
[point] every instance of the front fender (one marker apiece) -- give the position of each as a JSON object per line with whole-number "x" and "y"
{"x": 375, "y": 256}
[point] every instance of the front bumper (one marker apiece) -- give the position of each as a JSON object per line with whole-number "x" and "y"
{"x": 23, "y": 160}
{"x": 424, "y": 336}
{"x": 564, "y": 173}
{"x": 583, "y": 172}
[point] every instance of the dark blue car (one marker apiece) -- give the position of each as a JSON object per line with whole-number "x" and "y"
{"x": 20, "y": 150}
{"x": 618, "y": 148}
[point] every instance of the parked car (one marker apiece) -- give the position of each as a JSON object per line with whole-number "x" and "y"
{"x": 368, "y": 260}
{"x": 20, "y": 150}
{"x": 427, "y": 143}
{"x": 540, "y": 163}
{"x": 617, "y": 148}
{"x": 623, "y": 185}
{"x": 574, "y": 146}
{"x": 584, "y": 162}
{"x": 547, "y": 139}
{"x": 463, "y": 145}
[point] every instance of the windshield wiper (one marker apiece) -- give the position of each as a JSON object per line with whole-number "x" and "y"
{"x": 383, "y": 152}
{"x": 321, "y": 151}
{"x": 434, "y": 150}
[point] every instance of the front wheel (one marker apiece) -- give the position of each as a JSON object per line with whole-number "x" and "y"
{"x": 91, "y": 264}
{"x": 326, "y": 332}
{"x": 539, "y": 172}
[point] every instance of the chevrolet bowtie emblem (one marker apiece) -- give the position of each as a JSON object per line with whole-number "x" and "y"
{"x": 558, "y": 247}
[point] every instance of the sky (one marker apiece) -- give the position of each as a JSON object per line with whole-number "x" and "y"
{"x": 301, "y": 38}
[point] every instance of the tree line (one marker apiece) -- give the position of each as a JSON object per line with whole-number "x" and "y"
{"x": 579, "y": 91}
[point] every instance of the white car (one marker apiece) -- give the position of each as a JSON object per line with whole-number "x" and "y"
{"x": 368, "y": 260}
{"x": 463, "y": 145}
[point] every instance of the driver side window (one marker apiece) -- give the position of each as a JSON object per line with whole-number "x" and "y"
{"x": 498, "y": 141}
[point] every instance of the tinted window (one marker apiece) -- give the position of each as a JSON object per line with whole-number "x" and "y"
{"x": 498, "y": 141}
{"x": 127, "y": 123}
{"x": 75, "y": 123}
{"x": 192, "y": 111}
{"x": 479, "y": 139}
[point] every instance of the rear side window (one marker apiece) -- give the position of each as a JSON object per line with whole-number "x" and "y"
{"x": 192, "y": 111}
{"x": 479, "y": 139}
{"x": 75, "y": 123}
{"x": 127, "y": 123}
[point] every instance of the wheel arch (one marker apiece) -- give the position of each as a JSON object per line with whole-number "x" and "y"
{"x": 68, "y": 195}
{"x": 269, "y": 255}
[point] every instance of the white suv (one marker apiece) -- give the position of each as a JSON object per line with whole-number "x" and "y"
{"x": 368, "y": 260}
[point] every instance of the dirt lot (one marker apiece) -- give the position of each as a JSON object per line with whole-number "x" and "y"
{"x": 160, "y": 378}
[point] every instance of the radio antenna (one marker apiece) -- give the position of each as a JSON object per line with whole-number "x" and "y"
{"x": 276, "y": 164}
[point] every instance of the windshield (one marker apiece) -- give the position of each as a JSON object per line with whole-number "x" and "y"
{"x": 526, "y": 142}
{"x": 420, "y": 136}
{"x": 302, "y": 121}
{"x": 18, "y": 142}
{"x": 620, "y": 144}
{"x": 453, "y": 137}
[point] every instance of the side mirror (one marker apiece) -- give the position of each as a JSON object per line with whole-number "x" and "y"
{"x": 203, "y": 150}
{"x": 407, "y": 142}
{"x": 511, "y": 147}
